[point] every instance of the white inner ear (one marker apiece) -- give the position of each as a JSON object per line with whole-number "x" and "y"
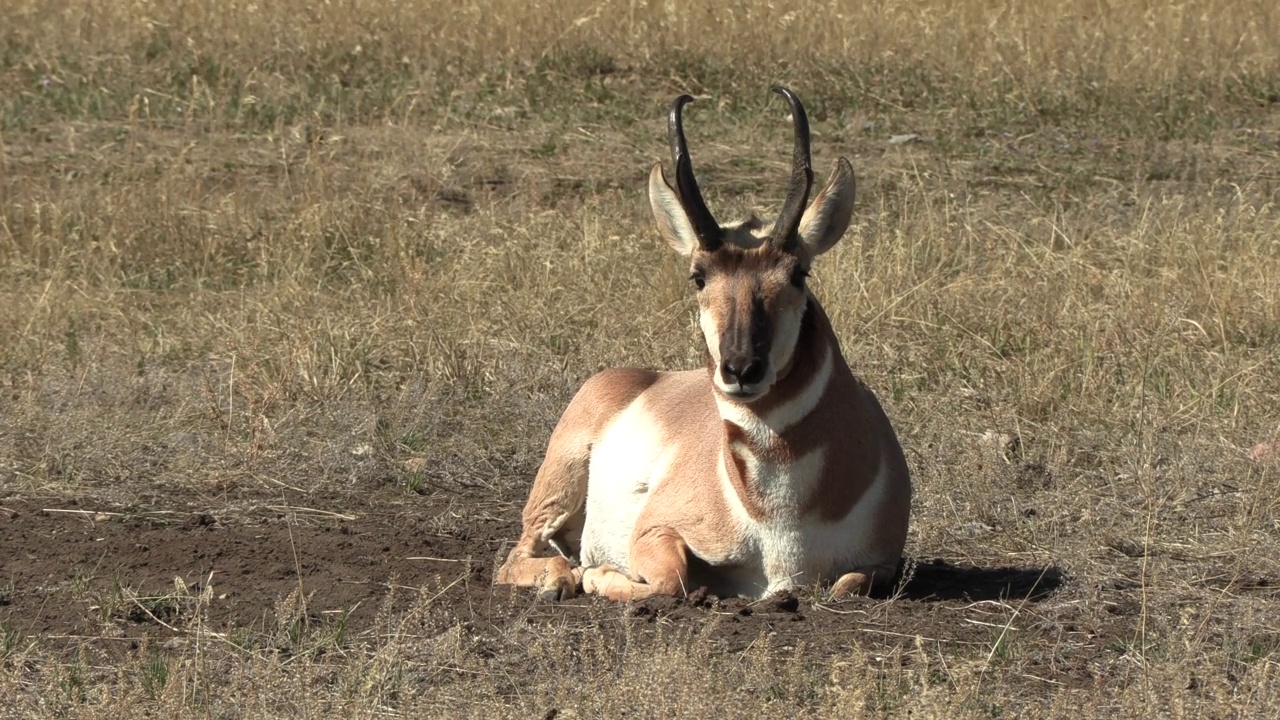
{"x": 828, "y": 215}
{"x": 673, "y": 224}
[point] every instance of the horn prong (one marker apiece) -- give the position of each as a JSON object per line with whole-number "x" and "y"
{"x": 788, "y": 224}
{"x": 704, "y": 224}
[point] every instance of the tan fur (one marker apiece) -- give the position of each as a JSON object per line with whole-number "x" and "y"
{"x": 560, "y": 488}
{"x": 706, "y": 478}
{"x": 688, "y": 512}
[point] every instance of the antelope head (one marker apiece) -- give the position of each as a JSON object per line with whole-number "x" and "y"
{"x": 750, "y": 277}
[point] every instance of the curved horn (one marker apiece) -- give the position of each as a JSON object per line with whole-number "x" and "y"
{"x": 788, "y": 223}
{"x": 704, "y": 225}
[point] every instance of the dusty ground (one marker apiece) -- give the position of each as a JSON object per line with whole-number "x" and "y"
{"x": 68, "y": 567}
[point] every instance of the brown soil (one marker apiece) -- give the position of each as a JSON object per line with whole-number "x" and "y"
{"x": 340, "y": 562}
{"x": 64, "y": 566}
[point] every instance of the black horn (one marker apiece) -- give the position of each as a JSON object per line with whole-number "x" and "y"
{"x": 704, "y": 225}
{"x": 788, "y": 224}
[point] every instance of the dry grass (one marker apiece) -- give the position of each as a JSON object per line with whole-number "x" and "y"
{"x": 240, "y": 240}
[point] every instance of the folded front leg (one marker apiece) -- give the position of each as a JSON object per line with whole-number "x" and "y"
{"x": 659, "y": 566}
{"x": 553, "y": 576}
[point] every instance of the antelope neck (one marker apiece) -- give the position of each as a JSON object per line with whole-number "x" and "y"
{"x": 765, "y": 424}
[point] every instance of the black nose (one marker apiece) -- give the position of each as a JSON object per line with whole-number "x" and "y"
{"x": 746, "y": 371}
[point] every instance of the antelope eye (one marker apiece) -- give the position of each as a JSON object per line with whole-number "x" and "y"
{"x": 798, "y": 275}
{"x": 699, "y": 281}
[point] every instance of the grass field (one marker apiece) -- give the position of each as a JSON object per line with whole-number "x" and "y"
{"x": 292, "y": 293}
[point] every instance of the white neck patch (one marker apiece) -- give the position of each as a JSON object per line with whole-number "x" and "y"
{"x": 766, "y": 428}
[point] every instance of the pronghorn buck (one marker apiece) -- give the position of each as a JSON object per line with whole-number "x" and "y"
{"x": 772, "y": 468}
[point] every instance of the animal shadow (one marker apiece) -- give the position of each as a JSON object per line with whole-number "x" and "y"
{"x": 938, "y": 579}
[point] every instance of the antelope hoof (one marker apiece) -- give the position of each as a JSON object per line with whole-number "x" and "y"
{"x": 561, "y": 586}
{"x": 850, "y": 584}
{"x": 558, "y": 588}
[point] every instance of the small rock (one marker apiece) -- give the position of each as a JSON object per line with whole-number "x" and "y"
{"x": 974, "y": 529}
{"x": 782, "y": 602}
{"x": 184, "y": 440}
{"x": 1004, "y": 443}
{"x": 1127, "y": 547}
{"x": 698, "y": 598}
{"x": 903, "y": 139}
{"x": 1266, "y": 452}
{"x": 415, "y": 464}
{"x": 200, "y": 520}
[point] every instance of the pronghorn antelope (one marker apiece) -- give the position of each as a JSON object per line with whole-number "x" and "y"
{"x": 772, "y": 468}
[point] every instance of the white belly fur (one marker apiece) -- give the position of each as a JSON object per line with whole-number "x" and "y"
{"x": 627, "y": 463}
{"x": 783, "y": 552}
{"x": 850, "y": 542}
{"x": 788, "y": 551}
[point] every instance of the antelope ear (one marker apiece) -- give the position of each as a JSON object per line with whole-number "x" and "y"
{"x": 673, "y": 223}
{"x": 824, "y": 223}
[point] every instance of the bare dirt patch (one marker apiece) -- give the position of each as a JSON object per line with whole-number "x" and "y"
{"x": 81, "y": 572}
{"x": 62, "y": 561}
{"x": 107, "y": 584}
